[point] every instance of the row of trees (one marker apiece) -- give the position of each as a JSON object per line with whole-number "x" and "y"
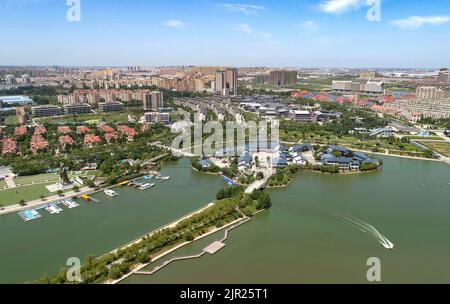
{"x": 114, "y": 265}
{"x": 107, "y": 156}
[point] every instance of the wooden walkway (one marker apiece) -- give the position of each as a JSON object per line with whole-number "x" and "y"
{"x": 211, "y": 249}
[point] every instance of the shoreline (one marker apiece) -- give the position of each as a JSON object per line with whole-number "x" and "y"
{"x": 218, "y": 174}
{"x": 54, "y": 198}
{"x": 48, "y": 200}
{"x": 319, "y": 172}
{"x": 164, "y": 253}
{"x": 379, "y": 153}
{"x": 166, "y": 226}
{"x": 173, "y": 249}
{"x": 396, "y": 155}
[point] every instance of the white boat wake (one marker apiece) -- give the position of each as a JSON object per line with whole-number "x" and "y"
{"x": 358, "y": 223}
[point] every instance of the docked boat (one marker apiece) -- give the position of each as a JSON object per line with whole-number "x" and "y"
{"x": 53, "y": 209}
{"x": 146, "y": 186}
{"x": 111, "y": 193}
{"x": 70, "y": 204}
{"x": 163, "y": 178}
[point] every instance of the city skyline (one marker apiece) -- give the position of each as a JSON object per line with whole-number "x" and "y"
{"x": 310, "y": 33}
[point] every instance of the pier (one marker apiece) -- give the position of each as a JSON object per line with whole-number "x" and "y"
{"x": 211, "y": 249}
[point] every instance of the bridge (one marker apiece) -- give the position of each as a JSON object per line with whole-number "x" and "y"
{"x": 259, "y": 184}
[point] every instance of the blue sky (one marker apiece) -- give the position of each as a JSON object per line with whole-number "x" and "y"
{"x": 300, "y": 33}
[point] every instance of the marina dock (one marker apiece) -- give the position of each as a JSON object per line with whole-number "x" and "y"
{"x": 211, "y": 249}
{"x": 54, "y": 207}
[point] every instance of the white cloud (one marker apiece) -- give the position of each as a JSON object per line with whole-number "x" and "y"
{"x": 415, "y": 22}
{"x": 339, "y": 6}
{"x": 244, "y": 28}
{"x": 309, "y": 26}
{"x": 247, "y": 29}
{"x": 175, "y": 24}
{"x": 247, "y": 9}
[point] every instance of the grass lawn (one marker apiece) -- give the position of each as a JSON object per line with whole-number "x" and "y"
{"x": 48, "y": 178}
{"x": 34, "y": 179}
{"x": 439, "y": 147}
{"x": 27, "y": 193}
{"x": 11, "y": 120}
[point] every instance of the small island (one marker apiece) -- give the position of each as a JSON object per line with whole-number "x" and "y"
{"x": 278, "y": 165}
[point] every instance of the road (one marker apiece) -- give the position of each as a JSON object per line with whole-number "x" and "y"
{"x": 257, "y": 185}
{"x": 40, "y": 202}
{"x": 442, "y": 135}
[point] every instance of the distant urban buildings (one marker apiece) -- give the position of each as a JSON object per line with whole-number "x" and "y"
{"x": 430, "y": 102}
{"x": 15, "y": 100}
{"x": 368, "y": 75}
{"x": 430, "y": 93}
{"x": 444, "y": 76}
{"x": 283, "y": 78}
{"x": 226, "y": 83}
{"x": 153, "y": 101}
{"x": 10, "y": 79}
{"x": 371, "y": 88}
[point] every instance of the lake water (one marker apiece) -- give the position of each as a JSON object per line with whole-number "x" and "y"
{"x": 310, "y": 235}
{"x": 29, "y": 250}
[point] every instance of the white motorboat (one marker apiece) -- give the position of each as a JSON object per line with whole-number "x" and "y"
{"x": 146, "y": 186}
{"x": 111, "y": 193}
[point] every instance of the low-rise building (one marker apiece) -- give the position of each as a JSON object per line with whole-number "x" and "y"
{"x": 66, "y": 140}
{"x": 83, "y": 130}
{"x": 279, "y": 163}
{"x": 302, "y": 116}
{"x": 157, "y": 117}
{"x": 20, "y": 131}
{"x": 129, "y": 132}
{"x": 106, "y": 129}
{"x": 40, "y": 130}
{"x": 205, "y": 163}
{"x": 111, "y": 136}
{"x": 9, "y": 146}
{"x": 64, "y": 130}
{"x": 37, "y": 143}
{"x": 80, "y": 108}
{"x": 46, "y": 111}
{"x": 113, "y": 106}
{"x": 91, "y": 139}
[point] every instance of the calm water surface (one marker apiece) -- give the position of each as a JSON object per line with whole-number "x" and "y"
{"x": 308, "y": 236}
{"x": 29, "y": 250}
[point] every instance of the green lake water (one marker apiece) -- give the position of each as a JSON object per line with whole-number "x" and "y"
{"x": 308, "y": 236}
{"x": 29, "y": 250}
